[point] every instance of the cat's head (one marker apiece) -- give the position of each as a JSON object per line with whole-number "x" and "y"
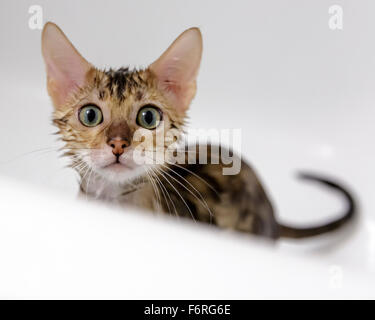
{"x": 100, "y": 114}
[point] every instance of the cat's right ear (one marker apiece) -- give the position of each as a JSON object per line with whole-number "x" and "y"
{"x": 67, "y": 70}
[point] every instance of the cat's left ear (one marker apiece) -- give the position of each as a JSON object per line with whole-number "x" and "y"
{"x": 67, "y": 70}
{"x": 177, "y": 69}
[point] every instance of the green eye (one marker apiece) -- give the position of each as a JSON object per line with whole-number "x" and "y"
{"x": 149, "y": 117}
{"x": 90, "y": 116}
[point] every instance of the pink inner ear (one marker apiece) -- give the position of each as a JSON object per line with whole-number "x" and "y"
{"x": 64, "y": 79}
{"x": 178, "y": 84}
{"x": 177, "y": 69}
{"x": 66, "y": 69}
{"x": 170, "y": 80}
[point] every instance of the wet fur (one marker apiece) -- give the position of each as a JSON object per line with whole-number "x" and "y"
{"x": 195, "y": 191}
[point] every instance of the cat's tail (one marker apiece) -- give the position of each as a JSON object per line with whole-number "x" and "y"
{"x": 291, "y": 232}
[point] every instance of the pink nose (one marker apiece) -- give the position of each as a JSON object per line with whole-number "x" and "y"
{"x": 118, "y": 146}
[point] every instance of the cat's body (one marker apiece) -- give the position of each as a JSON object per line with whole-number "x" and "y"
{"x": 198, "y": 192}
{"x": 202, "y": 193}
{"x": 106, "y": 117}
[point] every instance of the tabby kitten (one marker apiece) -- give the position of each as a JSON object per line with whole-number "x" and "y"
{"x": 100, "y": 113}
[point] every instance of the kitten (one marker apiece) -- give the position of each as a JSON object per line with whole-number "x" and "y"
{"x": 104, "y": 118}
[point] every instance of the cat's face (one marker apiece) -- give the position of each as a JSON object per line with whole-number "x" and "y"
{"x": 101, "y": 122}
{"x": 106, "y": 117}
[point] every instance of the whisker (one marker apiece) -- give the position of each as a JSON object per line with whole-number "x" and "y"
{"x": 155, "y": 189}
{"x": 202, "y": 200}
{"x": 41, "y": 150}
{"x": 191, "y": 172}
{"x": 167, "y": 193}
{"x": 80, "y": 167}
{"x": 197, "y": 176}
{"x": 88, "y": 182}
{"x": 164, "y": 191}
{"x": 178, "y": 193}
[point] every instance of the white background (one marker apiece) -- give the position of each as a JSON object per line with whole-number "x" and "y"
{"x": 301, "y": 93}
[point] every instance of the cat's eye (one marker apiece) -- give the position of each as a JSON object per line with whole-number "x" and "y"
{"x": 90, "y": 115}
{"x": 149, "y": 117}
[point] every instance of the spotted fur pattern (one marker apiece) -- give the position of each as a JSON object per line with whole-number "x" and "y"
{"x": 199, "y": 192}
{"x": 196, "y": 191}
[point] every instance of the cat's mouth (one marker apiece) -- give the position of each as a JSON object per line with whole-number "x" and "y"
{"x": 118, "y": 166}
{"x": 111, "y": 164}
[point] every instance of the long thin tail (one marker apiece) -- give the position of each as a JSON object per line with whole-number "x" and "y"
{"x": 291, "y": 232}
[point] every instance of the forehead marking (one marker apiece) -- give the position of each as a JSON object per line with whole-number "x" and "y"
{"x": 122, "y": 81}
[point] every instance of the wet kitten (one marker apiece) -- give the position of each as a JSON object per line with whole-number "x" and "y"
{"x": 105, "y": 117}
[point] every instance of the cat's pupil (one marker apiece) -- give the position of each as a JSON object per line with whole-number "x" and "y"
{"x": 149, "y": 117}
{"x": 90, "y": 115}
